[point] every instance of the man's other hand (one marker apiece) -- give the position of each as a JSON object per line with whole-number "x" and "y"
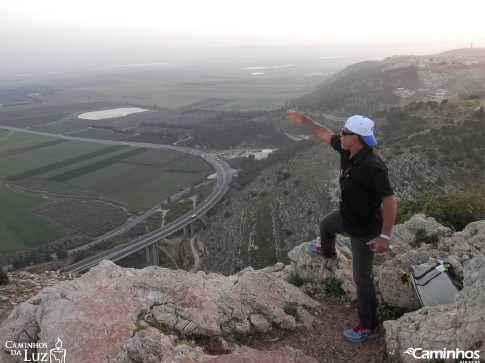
{"x": 379, "y": 245}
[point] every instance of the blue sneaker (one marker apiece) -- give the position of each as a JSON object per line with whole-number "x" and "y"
{"x": 359, "y": 334}
{"x": 317, "y": 250}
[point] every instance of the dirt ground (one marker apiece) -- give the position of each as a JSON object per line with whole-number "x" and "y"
{"x": 324, "y": 340}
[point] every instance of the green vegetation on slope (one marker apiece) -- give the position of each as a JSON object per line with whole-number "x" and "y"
{"x": 454, "y": 210}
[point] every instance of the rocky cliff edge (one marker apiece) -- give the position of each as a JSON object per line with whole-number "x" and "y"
{"x": 114, "y": 314}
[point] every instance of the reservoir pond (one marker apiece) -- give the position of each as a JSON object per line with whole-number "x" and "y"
{"x": 115, "y": 112}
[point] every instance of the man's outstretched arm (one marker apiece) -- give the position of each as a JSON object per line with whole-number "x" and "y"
{"x": 321, "y": 132}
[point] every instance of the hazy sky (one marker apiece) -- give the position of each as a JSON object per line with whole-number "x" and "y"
{"x": 55, "y": 24}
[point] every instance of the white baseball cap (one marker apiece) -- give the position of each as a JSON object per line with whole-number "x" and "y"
{"x": 362, "y": 126}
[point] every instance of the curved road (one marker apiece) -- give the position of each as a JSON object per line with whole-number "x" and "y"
{"x": 223, "y": 179}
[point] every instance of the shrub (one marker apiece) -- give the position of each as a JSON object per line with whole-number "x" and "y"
{"x": 421, "y": 237}
{"x": 388, "y": 312}
{"x": 333, "y": 286}
{"x": 162, "y": 327}
{"x": 241, "y": 338}
{"x": 451, "y": 210}
{"x": 295, "y": 280}
{"x": 290, "y": 308}
{"x": 346, "y": 254}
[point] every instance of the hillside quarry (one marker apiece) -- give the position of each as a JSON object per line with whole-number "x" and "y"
{"x": 115, "y": 314}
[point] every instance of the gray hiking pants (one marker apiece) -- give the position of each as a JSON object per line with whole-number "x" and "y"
{"x": 362, "y": 263}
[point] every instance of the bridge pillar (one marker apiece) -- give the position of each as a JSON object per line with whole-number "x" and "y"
{"x": 192, "y": 229}
{"x": 186, "y": 230}
{"x": 151, "y": 252}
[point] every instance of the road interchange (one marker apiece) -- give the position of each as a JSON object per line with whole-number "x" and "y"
{"x": 223, "y": 178}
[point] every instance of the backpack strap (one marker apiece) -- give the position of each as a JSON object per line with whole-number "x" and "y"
{"x": 426, "y": 272}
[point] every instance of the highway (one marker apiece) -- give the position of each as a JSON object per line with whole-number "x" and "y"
{"x": 224, "y": 176}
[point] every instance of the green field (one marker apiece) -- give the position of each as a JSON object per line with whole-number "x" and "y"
{"x": 30, "y": 159}
{"x": 135, "y": 178}
{"x": 20, "y": 229}
{"x": 10, "y": 141}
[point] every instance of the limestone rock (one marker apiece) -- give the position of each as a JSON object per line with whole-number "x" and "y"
{"x": 390, "y": 285}
{"x": 390, "y": 267}
{"x": 403, "y": 235}
{"x": 455, "y": 249}
{"x": 470, "y": 304}
{"x": 152, "y": 346}
{"x": 311, "y": 267}
{"x": 113, "y": 314}
{"x": 98, "y": 313}
{"x": 453, "y": 326}
{"x": 468, "y": 243}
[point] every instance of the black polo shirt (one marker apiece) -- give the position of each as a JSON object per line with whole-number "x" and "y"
{"x": 363, "y": 182}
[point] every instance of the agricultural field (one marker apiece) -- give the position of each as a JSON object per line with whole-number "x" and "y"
{"x": 19, "y": 228}
{"x": 99, "y": 134}
{"x": 238, "y": 91}
{"x": 91, "y": 218}
{"x": 108, "y": 182}
{"x": 11, "y": 142}
{"x": 24, "y": 163}
{"x": 33, "y": 115}
{"x": 235, "y": 85}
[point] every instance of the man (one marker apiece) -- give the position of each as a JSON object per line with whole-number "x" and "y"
{"x": 367, "y": 211}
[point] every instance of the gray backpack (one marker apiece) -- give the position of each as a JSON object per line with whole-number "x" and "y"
{"x": 433, "y": 283}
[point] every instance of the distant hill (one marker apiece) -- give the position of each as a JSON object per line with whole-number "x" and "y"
{"x": 464, "y": 52}
{"x": 372, "y": 86}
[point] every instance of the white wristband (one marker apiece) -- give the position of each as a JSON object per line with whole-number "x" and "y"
{"x": 385, "y": 237}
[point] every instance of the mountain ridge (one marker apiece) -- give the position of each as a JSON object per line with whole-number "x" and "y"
{"x": 371, "y": 86}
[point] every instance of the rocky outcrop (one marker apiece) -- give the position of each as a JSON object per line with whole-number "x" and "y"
{"x": 96, "y": 316}
{"x": 313, "y": 268}
{"x": 456, "y": 249}
{"x": 453, "y": 248}
{"x": 150, "y": 345}
{"x": 403, "y": 255}
{"x": 113, "y": 314}
{"x": 453, "y": 327}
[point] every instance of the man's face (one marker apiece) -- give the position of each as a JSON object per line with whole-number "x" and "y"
{"x": 346, "y": 138}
